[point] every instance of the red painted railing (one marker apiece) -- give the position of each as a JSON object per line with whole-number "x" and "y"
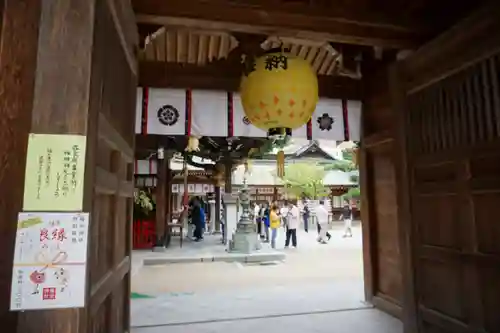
{"x": 143, "y": 234}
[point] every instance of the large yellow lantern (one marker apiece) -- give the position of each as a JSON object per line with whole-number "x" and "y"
{"x": 279, "y": 91}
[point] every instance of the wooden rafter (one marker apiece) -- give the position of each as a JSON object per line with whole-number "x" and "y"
{"x": 345, "y": 23}
{"x": 221, "y": 77}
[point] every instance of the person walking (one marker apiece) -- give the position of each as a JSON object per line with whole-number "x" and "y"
{"x": 306, "y": 215}
{"x": 322, "y": 220}
{"x": 262, "y": 215}
{"x": 293, "y": 220}
{"x": 197, "y": 220}
{"x": 267, "y": 212}
{"x": 283, "y": 214}
{"x": 256, "y": 214}
{"x": 274, "y": 224}
{"x": 347, "y": 216}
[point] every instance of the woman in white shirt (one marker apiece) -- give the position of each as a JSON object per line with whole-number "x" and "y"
{"x": 293, "y": 222}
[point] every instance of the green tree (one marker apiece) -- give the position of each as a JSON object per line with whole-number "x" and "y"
{"x": 341, "y": 165}
{"x": 347, "y": 154}
{"x": 354, "y": 178}
{"x": 354, "y": 193}
{"x": 305, "y": 180}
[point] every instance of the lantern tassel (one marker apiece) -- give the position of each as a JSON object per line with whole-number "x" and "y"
{"x": 280, "y": 164}
{"x": 193, "y": 144}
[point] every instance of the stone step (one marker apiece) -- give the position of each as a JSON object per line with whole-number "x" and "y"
{"x": 223, "y": 257}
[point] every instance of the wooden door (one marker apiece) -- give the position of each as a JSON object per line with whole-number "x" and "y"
{"x": 379, "y": 204}
{"x": 447, "y": 98}
{"x": 112, "y": 101}
{"x": 69, "y": 68}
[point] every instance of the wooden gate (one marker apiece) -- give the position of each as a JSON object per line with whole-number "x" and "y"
{"x": 113, "y": 93}
{"x": 72, "y": 70}
{"x": 448, "y": 109}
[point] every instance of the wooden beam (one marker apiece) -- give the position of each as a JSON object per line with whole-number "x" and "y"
{"x": 173, "y": 75}
{"x": 113, "y": 139}
{"x": 105, "y": 285}
{"x": 161, "y": 203}
{"x": 19, "y": 33}
{"x": 402, "y": 163}
{"x": 351, "y": 25}
{"x": 122, "y": 16}
{"x": 109, "y": 183}
{"x": 71, "y": 71}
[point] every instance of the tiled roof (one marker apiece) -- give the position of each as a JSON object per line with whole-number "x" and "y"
{"x": 177, "y": 163}
{"x": 264, "y": 174}
{"x": 328, "y": 146}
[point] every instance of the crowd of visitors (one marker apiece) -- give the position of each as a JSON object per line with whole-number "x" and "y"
{"x": 269, "y": 217}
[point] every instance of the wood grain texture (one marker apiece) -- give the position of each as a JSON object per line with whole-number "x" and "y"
{"x": 453, "y": 163}
{"x": 18, "y": 38}
{"x": 331, "y": 23}
{"x": 64, "y": 70}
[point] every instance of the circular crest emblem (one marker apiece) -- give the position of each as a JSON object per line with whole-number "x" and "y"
{"x": 246, "y": 121}
{"x": 168, "y": 115}
{"x": 325, "y": 122}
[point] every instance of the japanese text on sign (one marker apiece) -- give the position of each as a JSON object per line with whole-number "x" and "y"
{"x": 276, "y": 62}
{"x": 49, "y": 269}
{"x": 57, "y": 184}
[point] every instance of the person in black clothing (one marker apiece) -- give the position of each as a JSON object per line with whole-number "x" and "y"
{"x": 267, "y": 211}
{"x": 306, "y": 217}
{"x": 347, "y": 216}
{"x": 197, "y": 220}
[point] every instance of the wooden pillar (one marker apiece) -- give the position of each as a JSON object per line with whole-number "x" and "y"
{"x": 18, "y": 60}
{"x": 161, "y": 202}
{"x": 228, "y": 171}
{"x": 217, "y": 208}
{"x": 275, "y": 194}
{"x": 168, "y": 199}
{"x": 403, "y": 177}
{"x": 65, "y": 71}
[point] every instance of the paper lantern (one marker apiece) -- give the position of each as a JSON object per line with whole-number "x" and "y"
{"x": 279, "y": 90}
{"x": 279, "y": 93}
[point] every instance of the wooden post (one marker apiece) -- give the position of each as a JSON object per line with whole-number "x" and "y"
{"x": 168, "y": 197}
{"x": 217, "y": 208}
{"x": 228, "y": 171}
{"x": 66, "y": 72}
{"x": 403, "y": 177}
{"x": 185, "y": 173}
{"x": 18, "y": 61}
{"x": 161, "y": 202}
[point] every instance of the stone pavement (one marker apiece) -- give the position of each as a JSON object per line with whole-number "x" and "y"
{"x": 318, "y": 288}
{"x": 358, "y": 321}
{"x": 237, "y": 304}
{"x": 209, "y": 250}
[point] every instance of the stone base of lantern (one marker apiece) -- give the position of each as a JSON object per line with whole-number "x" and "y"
{"x": 245, "y": 239}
